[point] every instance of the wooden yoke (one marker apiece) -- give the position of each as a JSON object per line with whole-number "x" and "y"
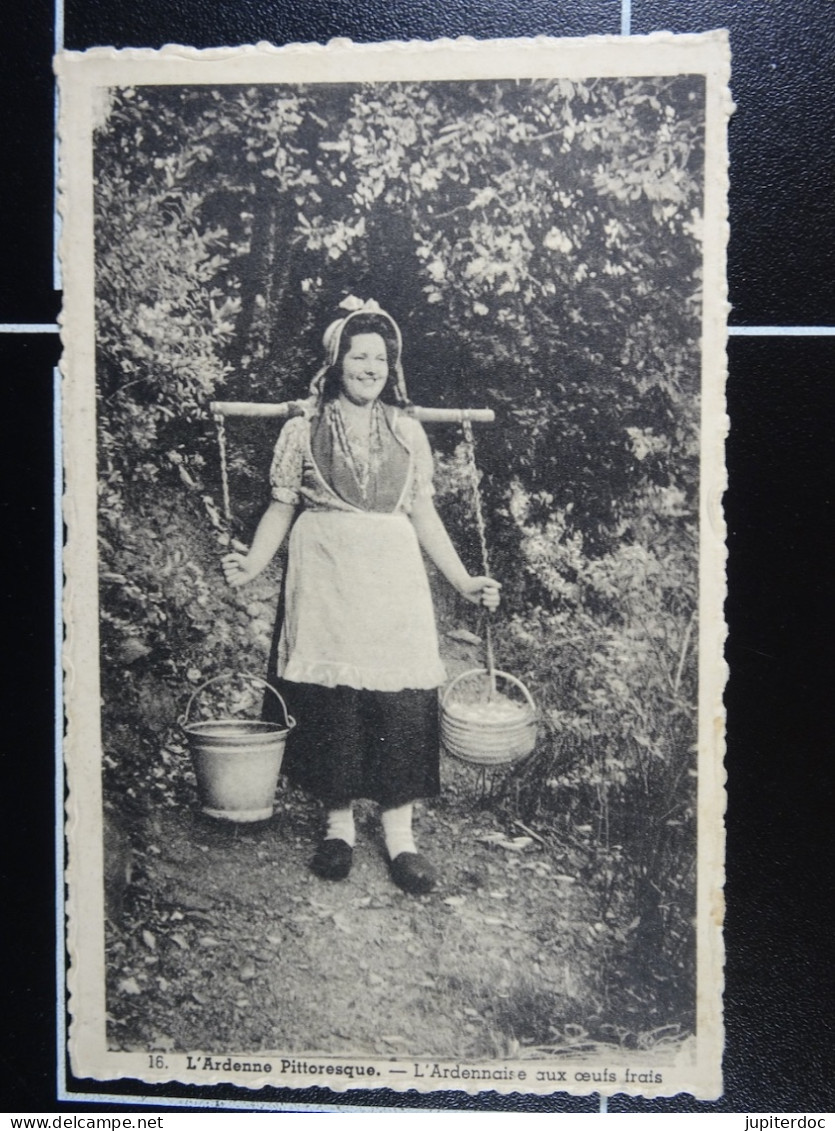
{"x": 299, "y": 408}
{"x": 221, "y": 409}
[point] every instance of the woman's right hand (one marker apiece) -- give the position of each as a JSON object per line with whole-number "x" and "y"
{"x": 238, "y": 570}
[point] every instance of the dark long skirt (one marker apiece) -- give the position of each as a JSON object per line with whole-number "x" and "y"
{"x": 382, "y": 745}
{"x": 347, "y": 744}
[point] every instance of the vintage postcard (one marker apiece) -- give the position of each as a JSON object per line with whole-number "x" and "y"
{"x": 393, "y": 426}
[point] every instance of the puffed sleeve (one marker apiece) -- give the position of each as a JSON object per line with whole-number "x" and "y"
{"x": 288, "y": 462}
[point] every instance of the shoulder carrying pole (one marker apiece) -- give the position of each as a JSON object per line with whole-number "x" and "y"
{"x": 299, "y": 408}
{"x": 285, "y": 409}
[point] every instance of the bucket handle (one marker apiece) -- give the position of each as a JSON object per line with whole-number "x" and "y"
{"x": 495, "y": 672}
{"x": 289, "y": 721}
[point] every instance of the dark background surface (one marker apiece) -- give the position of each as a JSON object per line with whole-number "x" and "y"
{"x": 779, "y": 931}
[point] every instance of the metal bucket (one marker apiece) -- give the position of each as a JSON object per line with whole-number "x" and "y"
{"x": 236, "y": 761}
{"x": 489, "y": 741}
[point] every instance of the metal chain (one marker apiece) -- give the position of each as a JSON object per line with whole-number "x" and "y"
{"x": 469, "y": 446}
{"x": 220, "y": 423}
{"x": 472, "y": 467}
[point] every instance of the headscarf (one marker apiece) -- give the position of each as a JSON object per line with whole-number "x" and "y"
{"x": 332, "y": 339}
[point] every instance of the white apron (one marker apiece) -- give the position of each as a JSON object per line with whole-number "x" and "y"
{"x": 358, "y": 610}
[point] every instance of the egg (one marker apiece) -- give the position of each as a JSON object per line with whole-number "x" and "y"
{"x": 500, "y": 709}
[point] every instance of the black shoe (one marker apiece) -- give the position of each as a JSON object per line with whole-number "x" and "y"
{"x": 333, "y": 859}
{"x": 413, "y": 873}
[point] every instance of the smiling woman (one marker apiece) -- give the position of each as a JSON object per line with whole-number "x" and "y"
{"x": 356, "y": 649}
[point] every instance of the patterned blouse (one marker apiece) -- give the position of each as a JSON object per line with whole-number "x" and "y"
{"x": 307, "y": 468}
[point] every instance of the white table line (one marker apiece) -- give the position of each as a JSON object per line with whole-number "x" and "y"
{"x": 781, "y": 331}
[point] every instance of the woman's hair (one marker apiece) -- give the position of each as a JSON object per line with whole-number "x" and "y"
{"x": 363, "y": 324}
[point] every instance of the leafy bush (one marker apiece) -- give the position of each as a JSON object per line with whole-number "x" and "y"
{"x": 612, "y": 660}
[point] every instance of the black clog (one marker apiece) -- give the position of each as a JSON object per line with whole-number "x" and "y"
{"x": 333, "y": 859}
{"x": 413, "y": 873}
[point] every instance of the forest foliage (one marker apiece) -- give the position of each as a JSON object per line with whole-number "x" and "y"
{"x": 539, "y": 243}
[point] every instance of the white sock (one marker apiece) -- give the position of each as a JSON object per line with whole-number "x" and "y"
{"x": 341, "y": 825}
{"x": 397, "y": 830}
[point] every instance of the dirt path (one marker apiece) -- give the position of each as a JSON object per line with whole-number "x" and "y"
{"x": 229, "y": 942}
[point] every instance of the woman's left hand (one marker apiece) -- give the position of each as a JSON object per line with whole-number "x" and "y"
{"x": 482, "y": 591}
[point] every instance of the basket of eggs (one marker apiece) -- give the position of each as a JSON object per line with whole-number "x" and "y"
{"x": 488, "y": 718}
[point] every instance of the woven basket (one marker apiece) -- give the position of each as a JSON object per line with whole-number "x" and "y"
{"x": 484, "y": 730}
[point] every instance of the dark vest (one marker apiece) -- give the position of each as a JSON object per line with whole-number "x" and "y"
{"x": 385, "y": 488}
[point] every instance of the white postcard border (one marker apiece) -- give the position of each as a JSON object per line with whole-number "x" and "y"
{"x": 80, "y": 74}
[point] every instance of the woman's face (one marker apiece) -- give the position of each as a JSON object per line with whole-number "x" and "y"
{"x": 365, "y": 369}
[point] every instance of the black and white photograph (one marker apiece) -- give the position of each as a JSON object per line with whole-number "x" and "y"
{"x": 394, "y": 423}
